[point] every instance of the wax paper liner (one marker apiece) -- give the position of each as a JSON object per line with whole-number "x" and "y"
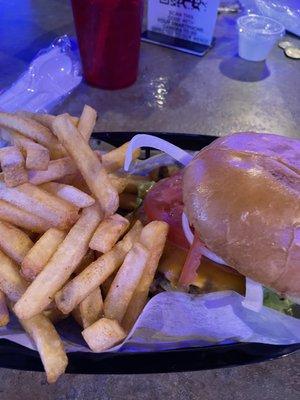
{"x": 173, "y": 320}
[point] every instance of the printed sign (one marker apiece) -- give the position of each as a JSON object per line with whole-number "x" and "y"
{"x": 189, "y": 20}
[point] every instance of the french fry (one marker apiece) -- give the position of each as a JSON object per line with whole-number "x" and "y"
{"x": 87, "y": 122}
{"x": 118, "y": 182}
{"x": 13, "y": 166}
{"x": 11, "y": 282}
{"x": 125, "y": 282}
{"x": 33, "y": 130}
{"x": 75, "y": 180}
{"x": 45, "y": 119}
{"x": 57, "y": 169}
{"x": 41, "y": 252}
{"x": 87, "y": 260}
{"x": 49, "y": 345}
{"x": 108, "y": 233}
{"x": 32, "y": 199}
{"x": 88, "y": 164}
{"x": 65, "y": 167}
{"x": 64, "y": 273}
{"x": 37, "y": 156}
{"x": 14, "y": 242}
{"x": 22, "y": 219}
{"x": 123, "y": 184}
{"x": 103, "y": 334}
{"x": 4, "y": 314}
{"x": 96, "y": 273}
{"x": 128, "y": 201}
{"x": 61, "y": 265}
{"x": 114, "y": 159}
{"x": 41, "y": 330}
{"x": 54, "y": 315}
{"x": 90, "y": 309}
{"x": 105, "y": 286}
{"x": 132, "y": 182}
{"x": 69, "y": 193}
{"x": 153, "y": 237}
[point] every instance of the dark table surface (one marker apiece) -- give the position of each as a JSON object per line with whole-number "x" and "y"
{"x": 175, "y": 92}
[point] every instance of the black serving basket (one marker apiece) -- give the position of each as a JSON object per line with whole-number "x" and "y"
{"x": 19, "y": 357}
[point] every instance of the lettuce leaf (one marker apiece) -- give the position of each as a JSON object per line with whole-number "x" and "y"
{"x": 273, "y": 300}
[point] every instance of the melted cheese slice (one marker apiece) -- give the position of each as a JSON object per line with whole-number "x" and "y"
{"x": 211, "y": 277}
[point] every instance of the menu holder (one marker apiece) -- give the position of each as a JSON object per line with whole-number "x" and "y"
{"x": 184, "y": 25}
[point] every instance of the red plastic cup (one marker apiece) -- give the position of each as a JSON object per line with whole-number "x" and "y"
{"x": 108, "y": 33}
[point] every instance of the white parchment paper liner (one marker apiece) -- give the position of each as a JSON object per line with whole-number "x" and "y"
{"x": 173, "y": 320}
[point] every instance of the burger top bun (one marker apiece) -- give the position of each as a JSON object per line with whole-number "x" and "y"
{"x": 242, "y": 195}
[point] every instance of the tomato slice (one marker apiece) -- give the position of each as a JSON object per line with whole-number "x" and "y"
{"x": 164, "y": 203}
{"x": 192, "y": 263}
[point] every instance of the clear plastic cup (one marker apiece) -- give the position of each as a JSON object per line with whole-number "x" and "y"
{"x": 257, "y": 36}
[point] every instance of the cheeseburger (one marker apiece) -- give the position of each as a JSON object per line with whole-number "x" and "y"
{"x": 241, "y": 197}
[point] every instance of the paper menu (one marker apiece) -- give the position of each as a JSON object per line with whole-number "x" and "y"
{"x": 191, "y": 20}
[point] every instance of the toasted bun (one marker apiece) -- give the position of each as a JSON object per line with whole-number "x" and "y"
{"x": 242, "y": 195}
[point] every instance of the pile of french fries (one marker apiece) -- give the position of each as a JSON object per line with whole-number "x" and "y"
{"x": 64, "y": 249}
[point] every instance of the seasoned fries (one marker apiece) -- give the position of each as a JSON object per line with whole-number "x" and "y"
{"x": 39, "y": 328}
{"x": 105, "y": 286}
{"x": 13, "y": 166}
{"x": 45, "y": 119}
{"x": 87, "y": 122}
{"x": 119, "y": 183}
{"x": 39, "y": 254}
{"x": 153, "y": 237}
{"x": 32, "y": 199}
{"x": 114, "y": 159}
{"x": 37, "y": 156}
{"x": 125, "y": 282}
{"x": 69, "y": 193}
{"x": 90, "y": 309}
{"x": 96, "y": 273}
{"x": 11, "y": 282}
{"x": 87, "y": 260}
{"x": 60, "y": 267}
{"x": 133, "y": 182}
{"x": 103, "y": 334}
{"x": 34, "y": 131}
{"x": 57, "y": 169}
{"x": 65, "y": 167}
{"x": 108, "y": 233}
{"x": 88, "y": 164}
{"x": 21, "y": 218}
{"x": 74, "y": 246}
{"x": 4, "y": 315}
{"x": 14, "y": 242}
{"x": 49, "y": 345}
